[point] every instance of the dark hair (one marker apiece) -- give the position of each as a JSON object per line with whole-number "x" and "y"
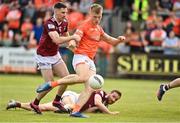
{"x": 116, "y": 91}
{"x": 60, "y": 5}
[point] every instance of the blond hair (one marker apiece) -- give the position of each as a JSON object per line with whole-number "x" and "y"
{"x": 96, "y": 8}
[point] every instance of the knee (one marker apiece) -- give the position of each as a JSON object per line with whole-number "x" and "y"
{"x": 83, "y": 79}
{"x": 89, "y": 89}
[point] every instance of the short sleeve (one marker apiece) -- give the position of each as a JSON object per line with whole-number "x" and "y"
{"x": 100, "y": 93}
{"x": 49, "y": 26}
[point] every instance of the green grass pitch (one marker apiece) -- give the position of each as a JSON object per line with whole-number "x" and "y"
{"x": 138, "y": 103}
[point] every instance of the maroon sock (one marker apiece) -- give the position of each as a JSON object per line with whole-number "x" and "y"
{"x": 18, "y": 104}
{"x": 36, "y": 101}
{"x": 57, "y": 98}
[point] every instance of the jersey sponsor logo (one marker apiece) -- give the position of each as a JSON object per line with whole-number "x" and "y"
{"x": 64, "y": 28}
{"x": 93, "y": 29}
{"x": 51, "y": 26}
{"x": 60, "y": 29}
{"x": 94, "y": 34}
{"x": 94, "y": 37}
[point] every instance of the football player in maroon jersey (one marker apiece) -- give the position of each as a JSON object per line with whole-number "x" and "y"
{"x": 55, "y": 32}
{"x": 98, "y": 102}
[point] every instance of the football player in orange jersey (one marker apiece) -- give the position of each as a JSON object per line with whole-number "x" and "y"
{"x": 90, "y": 34}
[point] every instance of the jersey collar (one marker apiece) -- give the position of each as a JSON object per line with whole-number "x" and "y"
{"x": 59, "y": 23}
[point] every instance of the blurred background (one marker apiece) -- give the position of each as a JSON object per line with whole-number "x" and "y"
{"x": 152, "y": 28}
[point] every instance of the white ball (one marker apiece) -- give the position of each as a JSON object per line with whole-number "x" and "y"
{"x": 96, "y": 81}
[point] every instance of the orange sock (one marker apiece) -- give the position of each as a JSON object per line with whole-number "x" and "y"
{"x": 76, "y": 108}
{"x": 54, "y": 83}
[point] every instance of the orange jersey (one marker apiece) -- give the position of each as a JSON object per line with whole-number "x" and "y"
{"x": 90, "y": 37}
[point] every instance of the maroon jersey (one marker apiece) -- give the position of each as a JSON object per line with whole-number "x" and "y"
{"x": 46, "y": 46}
{"x": 91, "y": 102}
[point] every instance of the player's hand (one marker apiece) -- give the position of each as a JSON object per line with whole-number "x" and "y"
{"x": 121, "y": 38}
{"x": 76, "y": 37}
{"x": 72, "y": 45}
{"x": 115, "y": 112}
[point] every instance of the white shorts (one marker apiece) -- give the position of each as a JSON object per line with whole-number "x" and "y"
{"x": 78, "y": 59}
{"x": 73, "y": 95}
{"x": 46, "y": 62}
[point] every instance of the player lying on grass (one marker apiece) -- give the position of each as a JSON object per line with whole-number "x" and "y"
{"x": 98, "y": 101}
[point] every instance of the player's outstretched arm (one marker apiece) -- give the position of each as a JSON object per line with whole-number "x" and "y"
{"x": 111, "y": 40}
{"x": 101, "y": 106}
{"x": 71, "y": 45}
{"x": 91, "y": 110}
{"x": 62, "y": 39}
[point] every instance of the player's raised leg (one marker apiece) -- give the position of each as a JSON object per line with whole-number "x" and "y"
{"x": 68, "y": 80}
{"x": 83, "y": 71}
